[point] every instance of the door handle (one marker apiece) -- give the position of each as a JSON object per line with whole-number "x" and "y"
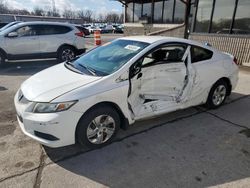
{"x": 173, "y": 70}
{"x": 139, "y": 75}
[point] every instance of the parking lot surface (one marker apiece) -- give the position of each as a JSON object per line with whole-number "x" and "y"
{"x": 104, "y": 38}
{"x": 188, "y": 148}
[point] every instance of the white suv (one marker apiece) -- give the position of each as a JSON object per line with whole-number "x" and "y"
{"x": 35, "y": 40}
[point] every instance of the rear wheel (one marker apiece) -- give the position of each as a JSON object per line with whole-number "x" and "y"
{"x": 98, "y": 127}
{"x": 217, "y": 94}
{"x": 66, "y": 53}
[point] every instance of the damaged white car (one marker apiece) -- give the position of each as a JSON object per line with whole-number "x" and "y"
{"x": 88, "y": 99}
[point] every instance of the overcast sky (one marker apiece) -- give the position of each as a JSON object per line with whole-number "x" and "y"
{"x": 97, "y": 6}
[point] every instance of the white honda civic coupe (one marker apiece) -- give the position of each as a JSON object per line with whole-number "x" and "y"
{"x": 87, "y": 100}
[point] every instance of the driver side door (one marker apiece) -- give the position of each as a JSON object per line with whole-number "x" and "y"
{"x": 25, "y": 45}
{"x": 163, "y": 83}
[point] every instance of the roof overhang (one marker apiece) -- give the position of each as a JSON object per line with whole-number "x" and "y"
{"x": 124, "y": 2}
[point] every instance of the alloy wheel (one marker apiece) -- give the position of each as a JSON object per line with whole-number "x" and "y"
{"x": 67, "y": 54}
{"x": 101, "y": 129}
{"x": 219, "y": 95}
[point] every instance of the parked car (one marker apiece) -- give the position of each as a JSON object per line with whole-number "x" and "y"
{"x": 9, "y": 25}
{"x": 92, "y": 29}
{"x": 86, "y": 25}
{"x": 33, "y": 40}
{"x": 118, "y": 29}
{"x": 88, "y": 99}
{"x": 108, "y": 29}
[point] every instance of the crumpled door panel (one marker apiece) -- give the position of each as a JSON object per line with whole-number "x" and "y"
{"x": 164, "y": 87}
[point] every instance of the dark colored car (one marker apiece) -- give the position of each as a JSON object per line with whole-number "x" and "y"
{"x": 118, "y": 29}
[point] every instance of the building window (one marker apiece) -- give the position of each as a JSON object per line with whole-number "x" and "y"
{"x": 147, "y": 10}
{"x": 168, "y": 11}
{"x": 179, "y": 14}
{"x": 158, "y": 8}
{"x": 203, "y": 16}
{"x": 242, "y": 18}
{"x": 137, "y": 11}
{"x": 223, "y": 14}
{"x": 223, "y": 17}
{"x": 162, "y": 12}
{"x": 129, "y": 12}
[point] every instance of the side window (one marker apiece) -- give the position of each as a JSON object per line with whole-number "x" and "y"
{"x": 200, "y": 54}
{"x": 62, "y": 29}
{"x": 26, "y": 31}
{"x": 171, "y": 53}
{"x": 54, "y": 29}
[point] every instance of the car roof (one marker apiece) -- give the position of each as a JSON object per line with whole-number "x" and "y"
{"x": 154, "y": 39}
{"x": 13, "y": 27}
{"x": 44, "y": 23}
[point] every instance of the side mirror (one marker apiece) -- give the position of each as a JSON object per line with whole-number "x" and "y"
{"x": 12, "y": 34}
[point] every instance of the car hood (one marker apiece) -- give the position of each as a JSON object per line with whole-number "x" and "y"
{"x": 54, "y": 82}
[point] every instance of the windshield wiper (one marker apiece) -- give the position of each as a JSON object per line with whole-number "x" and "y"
{"x": 71, "y": 66}
{"x": 91, "y": 70}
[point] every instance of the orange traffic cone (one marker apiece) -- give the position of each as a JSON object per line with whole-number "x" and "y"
{"x": 97, "y": 36}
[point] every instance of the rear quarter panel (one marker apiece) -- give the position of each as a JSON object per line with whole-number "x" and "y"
{"x": 208, "y": 72}
{"x": 79, "y": 42}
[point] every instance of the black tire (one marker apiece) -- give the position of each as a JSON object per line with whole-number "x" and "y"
{"x": 62, "y": 53}
{"x": 86, "y": 120}
{"x": 210, "y": 102}
{"x": 2, "y": 59}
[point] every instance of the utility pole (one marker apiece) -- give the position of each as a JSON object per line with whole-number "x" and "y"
{"x": 188, "y": 9}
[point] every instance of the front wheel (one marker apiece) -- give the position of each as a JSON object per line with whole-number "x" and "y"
{"x": 217, "y": 94}
{"x": 98, "y": 127}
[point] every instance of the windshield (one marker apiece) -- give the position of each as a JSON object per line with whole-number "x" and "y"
{"x": 108, "y": 58}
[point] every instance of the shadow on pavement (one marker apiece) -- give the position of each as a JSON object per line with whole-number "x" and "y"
{"x": 22, "y": 68}
{"x": 57, "y": 154}
{"x": 187, "y": 148}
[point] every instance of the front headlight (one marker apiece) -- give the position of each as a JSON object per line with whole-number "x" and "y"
{"x": 52, "y": 107}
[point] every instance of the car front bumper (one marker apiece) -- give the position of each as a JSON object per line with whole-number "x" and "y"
{"x": 50, "y": 129}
